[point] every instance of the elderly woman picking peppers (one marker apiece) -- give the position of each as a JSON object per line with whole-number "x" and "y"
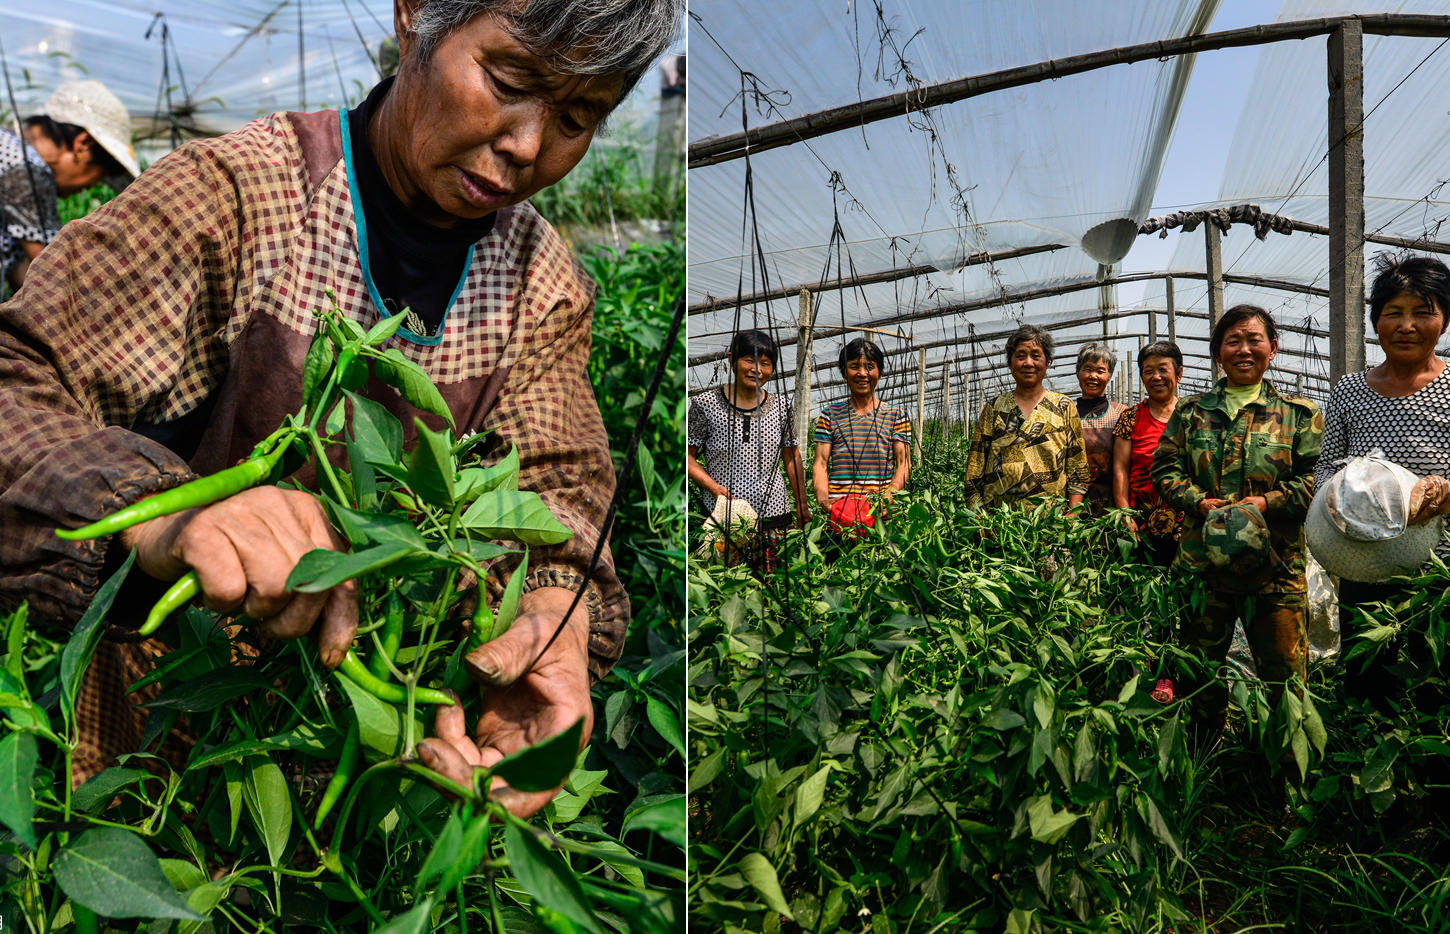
{"x": 1239, "y": 461}
{"x": 163, "y": 337}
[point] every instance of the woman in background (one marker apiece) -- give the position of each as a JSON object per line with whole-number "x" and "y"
{"x": 745, "y": 436}
{"x": 1160, "y": 365}
{"x": 1098, "y": 416}
{"x": 1028, "y": 442}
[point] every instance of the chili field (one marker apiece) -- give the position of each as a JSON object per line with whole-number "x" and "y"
{"x": 294, "y": 802}
{"x": 947, "y": 726}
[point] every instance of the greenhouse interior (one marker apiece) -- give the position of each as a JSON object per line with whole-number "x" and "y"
{"x": 1042, "y": 189}
{"x": 958, "y": 706}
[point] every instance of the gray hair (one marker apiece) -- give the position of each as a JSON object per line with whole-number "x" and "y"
{"x": 1030, "y": 333}
{"x": 1097, "y": 352}
{"x": 582, "y": 37}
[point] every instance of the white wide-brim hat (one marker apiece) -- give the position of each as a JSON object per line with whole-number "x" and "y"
{"x": 1358, "y": 526}
{"x": 91, "y": 106}
{"x": 734, "y": 514}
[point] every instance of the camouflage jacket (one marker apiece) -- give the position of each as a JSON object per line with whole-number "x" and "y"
{"x": 1269, "y": 449}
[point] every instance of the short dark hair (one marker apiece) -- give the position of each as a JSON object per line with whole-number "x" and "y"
{"x": 1030, "y": 333}
{"x": 754, "y": 343}
{"x": 858, "y": 348}
{"x": 1161, "y": 349}
{"x": 1424, "y": 277}
{"x": 64, "y": 135}
{"x": 1235, "y": 315}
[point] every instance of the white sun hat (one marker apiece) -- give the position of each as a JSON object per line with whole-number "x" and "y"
{"x": 90, "y": 105}
{"x": 737, "y": 515}
{"x": 1358, "y": 526}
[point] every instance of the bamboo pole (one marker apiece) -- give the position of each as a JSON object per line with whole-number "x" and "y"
{"x": 803, "y": 373}
{"x": 859, "y": 113}
{"x": 920, "y": 402}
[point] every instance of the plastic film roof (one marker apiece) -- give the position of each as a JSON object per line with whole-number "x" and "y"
{"x": 235, "y": 60}
{"x": 1037, "y": 165}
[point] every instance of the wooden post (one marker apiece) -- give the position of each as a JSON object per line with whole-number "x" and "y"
{"x": 803, "y": 368}
{"x": 967, "y": 403}
{"x": 920, "y": 402}
{"x": 1172, "y": 319}
{"x": 1346, "y": 199}
{"x": 1213, "y": 266}
{"x": 946, "y": 398}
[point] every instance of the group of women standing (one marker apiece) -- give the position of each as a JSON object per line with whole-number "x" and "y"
{"x": 1217, "y": 484}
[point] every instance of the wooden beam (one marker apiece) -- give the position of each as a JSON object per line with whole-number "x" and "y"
{"x": 730, "y": 146}
{"x": 802, "y": 397}
{"x": 870, "y": 278}
{"x": 1213, "y": 264}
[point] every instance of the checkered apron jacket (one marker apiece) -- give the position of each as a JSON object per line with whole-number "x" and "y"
{"x": 199, "y": 282}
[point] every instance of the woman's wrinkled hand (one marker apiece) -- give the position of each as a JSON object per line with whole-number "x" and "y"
{"x": 1430, "y": 497}
{"x": 242, "y": 549}
{"x": 522, "y": 705}
{"x": 1208, "y": 505}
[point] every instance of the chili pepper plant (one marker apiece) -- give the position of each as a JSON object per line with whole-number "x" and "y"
{"x": 271, "y": 794}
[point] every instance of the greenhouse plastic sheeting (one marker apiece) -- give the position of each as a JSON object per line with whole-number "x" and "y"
{"x": 1038, "y": 164}
{"x": 1041, "y": 164}
{"x": 237, "y": 60}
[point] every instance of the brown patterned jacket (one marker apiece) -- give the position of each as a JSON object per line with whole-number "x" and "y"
{"x": 198, "y": 284}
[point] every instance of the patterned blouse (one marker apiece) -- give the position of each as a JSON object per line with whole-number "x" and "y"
{"x": 741, "y": 448}
{"x": 26, "y": 213}
{"x": 863, "y": 446}
{"x": 1098, "y": 419}
{"x": 1012, "y": 458}
{"x": 1413, "y": 430}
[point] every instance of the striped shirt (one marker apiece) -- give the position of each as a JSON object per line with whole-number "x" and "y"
{"x": 1413, "y": 430}
{"x": 863, "y": 459}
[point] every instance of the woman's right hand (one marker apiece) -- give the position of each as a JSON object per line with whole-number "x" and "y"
{"x": 1430, "y": 497}
{"x": 1207, "y": 505}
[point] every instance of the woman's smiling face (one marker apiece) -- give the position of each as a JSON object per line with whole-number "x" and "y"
{"x": 1246, "y": 351}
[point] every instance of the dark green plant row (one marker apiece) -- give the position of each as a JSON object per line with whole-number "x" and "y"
{"x": 236, "y": 830}
{"x": 947, "y": 727}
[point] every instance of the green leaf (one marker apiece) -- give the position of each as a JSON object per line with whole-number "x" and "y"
{"x": 314, "y": 368}
{"x": 411, "y": 382}
{"x": 18, "y": 755}
{"x": 83, "y": 640}
{"x": 666, "y": 722}
{"x": 444, "y": 853}
{"x": 515, "y": 515}
{"x": 810, "y": 794}
{"x": 101, "y": 788}
{"x": 1129, "y": 689}
{"x": 376, "y": 432}
{"x": 114, "y": 873}
{"x": 1314, "y": 725}
{"x": 320, "y": 569}
{"x": 15, "y": 644}
{"x": 380, "y": 724}
{"x": 1159, "y": 826}
{"x": 209, "y": 691}
{"x": 508, "y": 604}
{"x": 758, "y": 871}
{"x": 543, "y": 766}
{"x": 665, "y": 817}
{"x": 1048, "y": 825}
{"x": 471, "y": 851}
{"x": 476, "y": 481}
{"x": 336, "y": 419}
{"x": 704, "y": 772}
{"x": 544, "y": 875}
{"x": 413, "y": 921}
{"x": 431, "y": 466}
{"x": 364, "y": 528}
{"x": 1003, "y": 719}
{"x": 265, "y": 792}
{"x": 383, "y": 331}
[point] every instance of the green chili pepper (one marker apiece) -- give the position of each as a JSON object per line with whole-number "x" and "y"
{"x": 347, "y": 764}
{"x": 480, "y": 630}
{"x": 200, "y": 492}
{"x": 390, "y": 637}
{"x": 177, "y": 596}
{"x": 358, "y": 673}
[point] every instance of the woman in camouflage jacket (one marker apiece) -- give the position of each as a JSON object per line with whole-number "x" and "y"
{"x": 1246, "y": 446}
